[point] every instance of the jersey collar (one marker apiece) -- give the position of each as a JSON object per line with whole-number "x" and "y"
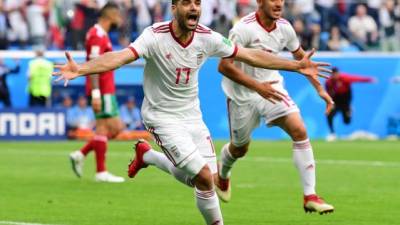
{"x": 184, "y": 45}
{"x": 265, "y": 28}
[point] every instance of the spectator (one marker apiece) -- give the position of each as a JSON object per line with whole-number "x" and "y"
{"x": 3, "y": 28}
{"x": 336, "y": 41}
{"x": 363, "y": 27}
{"x": 325, "y": 9}
{"x": 157, "y": 13}
{"x": 18, "y": 31}
{"x": 85, "y": 16}
{"x": 66, "y": 104}
{"x": 397, "y": 13}
{"x": 339, "y": 88}
{"x": 208, "y": 11}
{"x": 309, "y": 38}
{"x": 4, "y": 92}
{"x": 35, "y": 14}
{"x": 387, "y": 17}
{"x": 130, "y": 115}
{"x": 373, "y": 9}
{"x": 143, "y": 14}
{"x": 306, "y": 10}
{"x": 80, "y": 116}
{"x": 125, "y": 31}
{"x": 39, "y": 73}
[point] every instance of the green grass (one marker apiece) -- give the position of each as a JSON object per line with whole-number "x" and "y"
{"x": 362, "y": 180}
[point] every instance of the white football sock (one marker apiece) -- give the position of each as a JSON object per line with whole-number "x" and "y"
{"x": 227, "y": 161}
{"x": 303, "y": 158}
{"x": 159, "y": 160}
{"x": 208, "y": 204}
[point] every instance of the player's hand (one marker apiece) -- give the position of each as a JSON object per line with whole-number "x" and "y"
{"x": 96, "y": 105}
{"x": 330, "y": 104}
{"x": 270, "y": 93}
{"x": 67, "y": 71}
{"x": 313, "y": 69}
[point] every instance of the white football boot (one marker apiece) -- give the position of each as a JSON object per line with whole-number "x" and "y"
{"x": 106, "y": 176}
{"x": 77, "y": 159}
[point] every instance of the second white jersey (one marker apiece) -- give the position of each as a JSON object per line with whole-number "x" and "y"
{"x": 171, "y": 70}
{"x": 250, "y": 33}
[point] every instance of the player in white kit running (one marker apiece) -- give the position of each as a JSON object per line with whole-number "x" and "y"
{"x": 266, "y": 30}
{"x": 174, "y": 52}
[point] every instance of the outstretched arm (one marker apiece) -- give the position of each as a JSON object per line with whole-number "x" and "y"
{"x": 229, "y": 70}
{"x": 356, "y": 78}
{"x": 262, "y": 59}
{"x": 299, "y": 55}
{"x": 106, "y": 62}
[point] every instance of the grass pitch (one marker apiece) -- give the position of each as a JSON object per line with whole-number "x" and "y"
{"x": 361, "y": 179}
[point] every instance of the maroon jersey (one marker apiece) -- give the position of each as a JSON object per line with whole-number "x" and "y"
{"x": 342, "y": 84}
{"x": 98, "y": 43}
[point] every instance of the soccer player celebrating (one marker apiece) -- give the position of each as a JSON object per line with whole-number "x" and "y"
{"x": 174, "y": 53}
{"x": 101, "y": 91}
{"x": 266, "y": 30}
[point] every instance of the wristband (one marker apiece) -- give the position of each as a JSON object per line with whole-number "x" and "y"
{"x": 96, "y": 93}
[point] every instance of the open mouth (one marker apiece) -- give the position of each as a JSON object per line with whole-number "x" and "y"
{"x": 193, "y": 18}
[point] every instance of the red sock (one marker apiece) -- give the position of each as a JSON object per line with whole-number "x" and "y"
{"x": 88, "y": 147}
{"x": 100, "y": 148}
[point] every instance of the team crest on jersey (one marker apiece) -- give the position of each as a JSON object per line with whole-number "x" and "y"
{"x": 168, "y": 56}
{"x": 200, "y": 57}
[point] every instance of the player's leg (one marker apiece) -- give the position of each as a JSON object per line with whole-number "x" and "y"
{"x": 206, "y": 198}
{"x": 107, "y": 125}
{"x": 99, "y": 142}
{"x": 177, "y": 144}
{"x": 330, "y": 117}
{"x": 303, "y": 158}
{"x": 347, "y": 114}
{"x": 145, "y": 155}
{"x": 242, "y": 120}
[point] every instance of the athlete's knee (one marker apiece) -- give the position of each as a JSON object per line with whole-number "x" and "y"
{"x": 101, "y": 130}
{"x": 347, "y": 120}
{"x": 204, "y": 179}
{"x": 238, "y": 152}
{"x": 299, "y": 133}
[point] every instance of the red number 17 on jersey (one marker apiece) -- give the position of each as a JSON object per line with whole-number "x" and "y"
{"x": 179, "y": 72}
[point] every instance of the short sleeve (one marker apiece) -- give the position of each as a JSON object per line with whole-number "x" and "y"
{"x": 221, "y": 46}
{"x": 238, "y": 35}
{"x": 293, "y": 43}
{"x": 143, "y": 44}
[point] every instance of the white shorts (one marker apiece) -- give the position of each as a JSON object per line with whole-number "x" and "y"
{"x": 186, "y": 143}
{"x": 244, "y": 118}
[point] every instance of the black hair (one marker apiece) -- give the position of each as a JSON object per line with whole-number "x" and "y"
{"x": 107, "y": 7}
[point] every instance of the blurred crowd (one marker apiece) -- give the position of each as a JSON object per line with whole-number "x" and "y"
{"x": 80, "y": 116}
{"x": 331, "y": 25}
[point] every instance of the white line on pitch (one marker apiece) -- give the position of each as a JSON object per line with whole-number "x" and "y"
{"x": 249, "y": 158}
{"x": 21, "y": 223}
{"x": 328, "y": 161}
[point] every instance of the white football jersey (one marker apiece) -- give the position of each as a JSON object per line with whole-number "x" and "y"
{"x": 171, "y": 70}
{"x": 250, "y": 33}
